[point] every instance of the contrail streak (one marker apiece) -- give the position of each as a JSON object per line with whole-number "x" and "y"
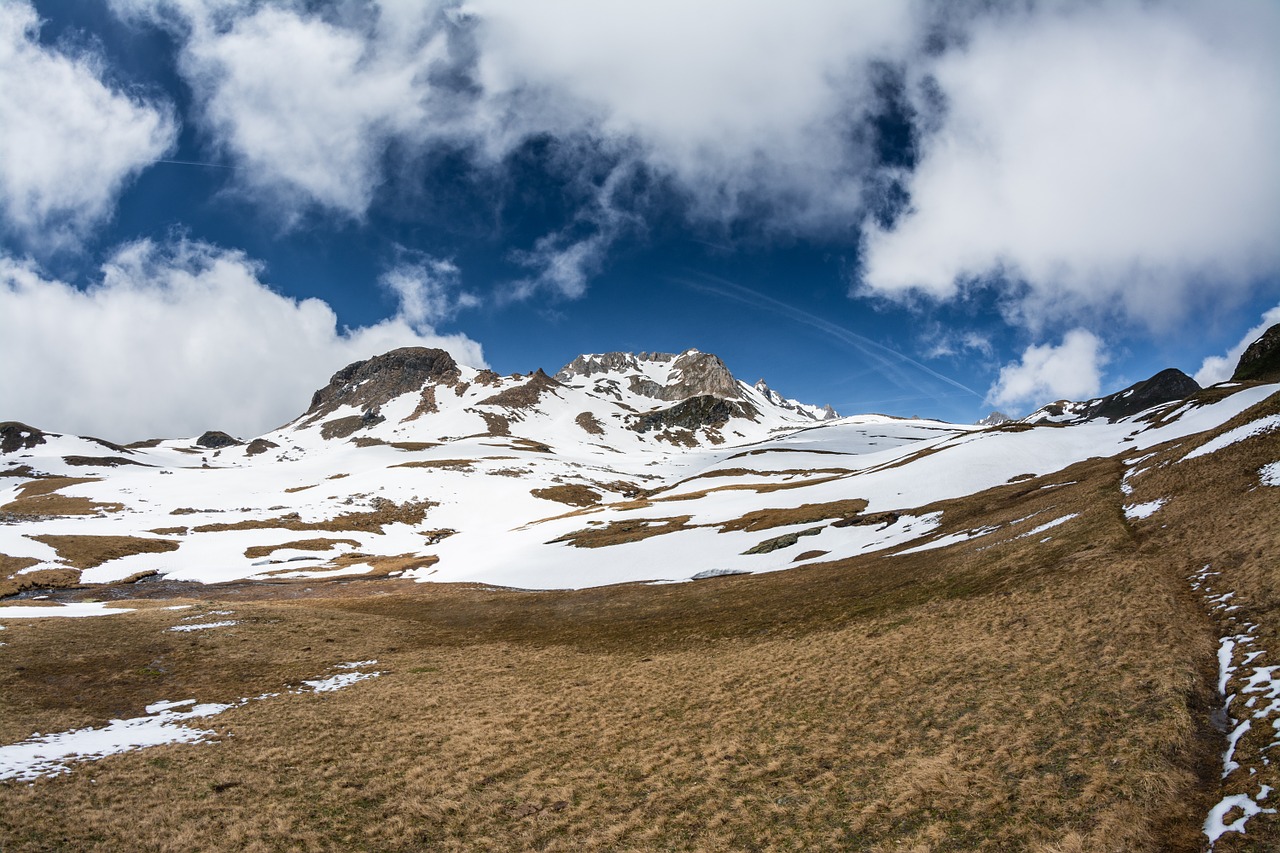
{"x": 889, "y": 359}
{"x": 195, "y": 163}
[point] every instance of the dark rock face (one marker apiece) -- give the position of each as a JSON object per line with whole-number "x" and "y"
{"x": 1261, "y": 361}
{"x": 524, "y": 396}
{"x": 1165, "y": 386}
{"x": 215, "y": 439}
{"x": 695, "y": 413}
{"x": 369, "y": 384}
{"x": 15, "y": 436}
{"x": 994, "y": 419}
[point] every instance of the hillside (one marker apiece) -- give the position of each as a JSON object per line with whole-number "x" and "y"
{"x": 558, "y": 612}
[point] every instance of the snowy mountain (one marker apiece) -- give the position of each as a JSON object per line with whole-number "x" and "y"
{"x": 621, "y": 467}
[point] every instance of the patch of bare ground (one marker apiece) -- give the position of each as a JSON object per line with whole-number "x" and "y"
{"x": 496, "y": 424}
{"x": 571, "y": 494}
{"x": 384, "y": 512}
{"x": 379, "y": 567}
{"x": 764, "y": 519}
{"x": 101, "y": 461}
{"x": 413, "y": 446}
{"x": 446, "y": 464}
{"x": 85, "y": 552}
{"x": 589, "y": 423}
{"x": 41, "y": 498}
{"x": 298, "y": 545}
{"x": 620, "y": 532}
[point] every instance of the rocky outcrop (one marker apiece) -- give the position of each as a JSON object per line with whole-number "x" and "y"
{"x": 369, "y": 384}
{"x": 216, "y": 440}
{"x": 1261, "y": 361}
{"x": 689, "y": 374}
{"x": 695, "y": 413}
{"x": 524, "y": 396}
{"x": 17, "y": 436}
{"x": 994, "y": 419}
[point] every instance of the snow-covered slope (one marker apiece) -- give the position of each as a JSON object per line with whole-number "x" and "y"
{"x": 623, "y": 467}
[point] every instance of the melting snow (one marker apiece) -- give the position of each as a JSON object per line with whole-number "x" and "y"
{"x": 1249, "y": 430}
{"x": 1143, "y": 510}
{"x": 49, "y": 755}
{"x": 1263, "y": 684}
{"x": 1270, "y": 474}
{"x": 52, "y": 754}
{"x": 200, "y": 626}
{"x": 73, "y": 609}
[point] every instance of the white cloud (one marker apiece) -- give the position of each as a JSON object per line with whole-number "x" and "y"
{"x": 1113, "y": 157}
{"x": 429, "y": 290}
{"x": 1219, "y": 368}
{"x": 68, "y": 142}
{"x": 306, "y": 107}
{"x": 738, "y": 99}
{"x": 1071, "y": 371}
{"x": 175, "y": 340}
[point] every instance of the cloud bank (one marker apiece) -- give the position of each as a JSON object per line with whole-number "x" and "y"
{"x": 69, "y": 142}
{"x": 174, "y": 340}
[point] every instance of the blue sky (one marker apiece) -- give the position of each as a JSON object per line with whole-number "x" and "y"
{"x": 208, "y": 206}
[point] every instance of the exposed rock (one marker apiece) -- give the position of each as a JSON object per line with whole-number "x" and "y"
{"x": 1165, "y": 386}
{"x": 691, "y": 373}
{"x": 16, "y": 436}
{"x": 524, "y": 396}
{"x": 369, "y": 384}
{"x": 589, "y": 423}
{"x": 259, "y": 445}
{"x": 1261, "y": 361}
{"x": 215, "y": 439}
{"x": 695, "y": 413}
{"x": 101, "y": 461}
{"x": 994, "y": 419}
{"x": 786, "y": 540}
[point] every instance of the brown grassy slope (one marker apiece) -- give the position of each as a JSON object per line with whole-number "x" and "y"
{"x": 1027, "y": 696}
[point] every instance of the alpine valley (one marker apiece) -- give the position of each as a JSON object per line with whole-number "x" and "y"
{"x": 641, "y": 604}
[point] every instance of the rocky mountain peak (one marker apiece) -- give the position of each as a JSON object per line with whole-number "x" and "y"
{"x": 1261, "y": 361}
{"x": 657, "y": 375}
{"x": 375, "y": 381}
{"x": 994, "y": 419}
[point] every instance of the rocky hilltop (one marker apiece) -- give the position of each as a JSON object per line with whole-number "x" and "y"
{"x": 1261, "y": 361}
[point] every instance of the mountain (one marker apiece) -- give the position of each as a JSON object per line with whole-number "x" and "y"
{"x": 1260, "y": 361}
{"x": 410, "y": 463}
{"x": 1167, "y": 386}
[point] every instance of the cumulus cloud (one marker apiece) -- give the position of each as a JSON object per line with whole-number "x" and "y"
{"x": 1071, "y": 371}
{"x": 429, "y": 290}
{"x": 174, "y": 340}
{"x": 1219, "y": 368}
{"x": 68, "y": 141}
{"x": 1111, "y": 157}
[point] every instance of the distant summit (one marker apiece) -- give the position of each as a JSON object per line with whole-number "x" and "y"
{"x": 1261, "y": 361}
{"x": 1167, "y": 386}
{"x": 659, "y": 375}
{"x": 994, "y": 419}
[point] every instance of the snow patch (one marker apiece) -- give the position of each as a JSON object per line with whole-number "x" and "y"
{"x": 1249, "y": 430}
{"x": 1270, "y": 474}
{"x": 77, "y": 609}
{"x": 1134, "y": 512}
{"x": 200, "y": 626}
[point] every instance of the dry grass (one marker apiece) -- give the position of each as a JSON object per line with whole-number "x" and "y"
{"x": 621, "y": 532}
{"x": 85, "y": 552}
{"x": 372, "y": 521}
{"x": 40, "y": 498}
{"x": 298, "y": 545}
{"x": 571, "y": 494}
{"x": 765, "y": 519}
{"x": 446, "y": 464}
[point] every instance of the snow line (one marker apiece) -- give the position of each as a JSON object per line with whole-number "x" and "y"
{"x": 1263, "y": 684}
